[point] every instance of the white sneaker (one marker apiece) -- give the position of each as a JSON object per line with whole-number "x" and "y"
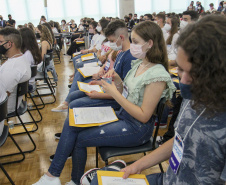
{"x": 46, "y": 180}
{"x": 61, "y": 108}
{"x": 70, "y": 183}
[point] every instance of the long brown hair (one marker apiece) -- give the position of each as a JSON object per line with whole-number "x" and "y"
{"x": 174, "y": 29}
{"x": 45, "y": 34}
{"x": 29, "y": 43}
{"x": 148, "y": 30}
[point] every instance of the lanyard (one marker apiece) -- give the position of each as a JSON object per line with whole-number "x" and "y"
{"x": 192, "y": 123}
{"x": 119, "y": 60}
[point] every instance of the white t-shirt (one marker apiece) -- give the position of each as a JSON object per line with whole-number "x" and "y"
{"x": 171, "y": 49}
{"x": 165, "y": 33}
{"x": 30, "y": 58}
{"x": 2, "y": 98}
{"x": 99, "y": 41}
{"x": 13, "y": 72}
{"x": 93, "y": 42}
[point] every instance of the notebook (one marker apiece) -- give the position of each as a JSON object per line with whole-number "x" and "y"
{"x": 85, "y": 87}
{"x": 89, "y": 56}
{"x": 88, "y": 71}
{"x": 91, "y": 116}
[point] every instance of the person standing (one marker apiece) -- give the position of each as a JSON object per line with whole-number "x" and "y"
{"x": 11, "y": 22}
{"x": 2, "y": 22}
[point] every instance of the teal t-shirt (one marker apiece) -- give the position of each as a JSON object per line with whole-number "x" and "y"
{"x": 136, "y": 85}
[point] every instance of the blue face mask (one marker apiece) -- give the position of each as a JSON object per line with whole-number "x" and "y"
{"x": 185, "y": 91}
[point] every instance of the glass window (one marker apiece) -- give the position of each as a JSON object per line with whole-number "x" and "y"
{"x": 142, "y": 7}
{"x": 161, "y": 5}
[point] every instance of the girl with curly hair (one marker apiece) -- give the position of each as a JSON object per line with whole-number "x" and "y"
{"x": 197, "y": 152}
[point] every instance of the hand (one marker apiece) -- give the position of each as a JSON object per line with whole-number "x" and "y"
{"x": 109, "y": 88}
{"x": 110, "y": 73}
{"x": 102, "y": 58}
{"x": 94, "y": 95}
{"x": 129, "y": 170}
{"x": 95, "y": 82}
{"x": 84, "y": 51}
{"x": 96, "y": 76}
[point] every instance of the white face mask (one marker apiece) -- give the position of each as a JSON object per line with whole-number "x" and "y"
{"x": 183, "y": 24}
{"x": 99, "y": 29}
{"x": 137, "y": 51}
{"x": 224, "y": 5}
{"x": 199, "y": 7}
{"x": 167, "y": 27}
{"x": 114, "y": 45}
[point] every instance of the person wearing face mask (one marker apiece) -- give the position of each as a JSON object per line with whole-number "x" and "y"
{"x": 200, "y": 9}
{"x": 136, "y": 20}
{"x": 224, "y": 7}
{"x": 160, "y": 20}
{"x": 16, "y": 69}
{"x": 200, "y": 140}
{"x": 11, "y": 22}
{"x": 172, "y": 21}
{"x": 147, "y": 82}
{"x": 2, "y": 22}
{"x": 64, "y": 26}
{"x": 188, "y": 17}
{"x": 42, "y": 19}
{"x": 191, "y": 6}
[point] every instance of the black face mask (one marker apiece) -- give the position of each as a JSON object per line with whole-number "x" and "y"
{"x": 3, "y": 50}
{"x": 38, "y": 36}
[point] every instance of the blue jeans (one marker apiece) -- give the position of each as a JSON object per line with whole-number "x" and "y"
{"x": 80, "y": 99}
{"x": 153, "y": 179}
{"x": 127, "y": 132}
{"x": 77, "y": 61}
{"x": 74, "y": 86}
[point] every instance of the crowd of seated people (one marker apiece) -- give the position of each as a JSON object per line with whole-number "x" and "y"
{"x": 136, "y": 54}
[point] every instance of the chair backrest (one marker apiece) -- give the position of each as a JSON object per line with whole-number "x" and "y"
{"x": 3, "y": 109}
{"x": 159, "y": 111}
{"x": 22, "y": 88}
{"x": 46, "y": 61}
{"x": 33, "y": 71}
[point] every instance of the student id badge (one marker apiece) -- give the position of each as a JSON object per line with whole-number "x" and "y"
{"x": 125, "y": 91}
{"x": 107, "y": 65}
{"x": 177, "y": 153}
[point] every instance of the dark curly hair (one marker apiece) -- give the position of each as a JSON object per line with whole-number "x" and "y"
{"x": 204, "y": 42}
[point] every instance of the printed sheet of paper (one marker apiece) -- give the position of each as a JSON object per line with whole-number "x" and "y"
{"x": 120, "y": 181}
{"x": 90, "y": 115}
{"x": 85, "y": 87}
{"x": 89, "y": 71}
{"x": 89, "y": 56}
{"x": 76, "y": 54}
{"x": 92, "y": 64}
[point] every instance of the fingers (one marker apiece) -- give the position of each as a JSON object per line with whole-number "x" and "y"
{"x": 126, "y": 174}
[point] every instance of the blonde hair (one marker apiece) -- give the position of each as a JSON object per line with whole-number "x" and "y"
{"x": 46, "y": 35}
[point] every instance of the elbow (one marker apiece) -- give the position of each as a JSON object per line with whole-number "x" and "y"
{"x": 144, "y": 119}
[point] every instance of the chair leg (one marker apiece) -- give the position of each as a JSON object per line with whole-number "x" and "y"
{"x": 6, "y": 174}
{"x": 36, "y": 108}
{"x": 161, "y": 168}
{"x": 96, "y": 157}
{"x": 26, "y": 131}
{"x": 21, "y": 152}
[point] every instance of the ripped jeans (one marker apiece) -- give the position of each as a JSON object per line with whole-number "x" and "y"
{"x": 127, "y": 132}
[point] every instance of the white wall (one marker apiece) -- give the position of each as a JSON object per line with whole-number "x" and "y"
{"x": 126, "y": 7}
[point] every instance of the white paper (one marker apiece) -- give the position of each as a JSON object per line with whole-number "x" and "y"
{"x": 90, "y": 88}
{"x": 77, "y": 53}
{"x": 120, "y": 181}
{"x": 88, "y": 58}
{"x": 92, "y": 64}
{"x": 89, "y": 71}
{"x": 89, "y": 115}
